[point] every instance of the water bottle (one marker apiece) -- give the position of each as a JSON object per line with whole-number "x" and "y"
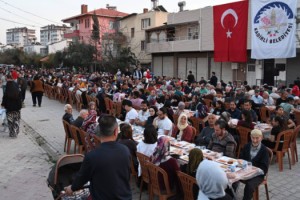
{"x": 245, "y": 164}
{"x": 232, "y": 168}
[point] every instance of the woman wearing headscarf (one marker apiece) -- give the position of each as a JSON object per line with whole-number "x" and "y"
{"x": 153, "y": 115}
{"x": 12, "y": 102}
{"x": 89, "y": 126}
{"x": 161, "y": 158}
{"x": 212, "y": 181}
{"x": 183, "y": 130}
{"x": 181, "y": 107}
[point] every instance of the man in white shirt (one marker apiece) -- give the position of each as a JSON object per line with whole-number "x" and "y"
{"x": 163, "y": 123}
{"x": 143, "y": 114}
{"x": 131, "y": 113}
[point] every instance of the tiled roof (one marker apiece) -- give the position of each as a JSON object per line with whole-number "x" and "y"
{"x": 100, "y": 12}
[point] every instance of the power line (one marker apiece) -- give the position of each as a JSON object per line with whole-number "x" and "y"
{"x": 29, "y": 12}
{"x": 20, "y": 16}
{"x": 17, "y": 22}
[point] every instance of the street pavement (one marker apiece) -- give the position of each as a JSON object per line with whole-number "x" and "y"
{"x": 26, "y": 160}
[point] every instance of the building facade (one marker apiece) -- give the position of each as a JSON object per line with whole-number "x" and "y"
{"x": 19, "y": 37}
{"x": 82, "y": 24}
{"x": 186, "y": 44}
{"x": 51, "y": 34}
{"x": 134, "y": 27}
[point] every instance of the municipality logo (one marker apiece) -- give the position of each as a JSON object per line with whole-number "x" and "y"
{"x": 273, "y": 22}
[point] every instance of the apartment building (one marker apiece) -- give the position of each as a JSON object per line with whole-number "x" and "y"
{"x": 19, "y": 37}
{"x": 82, "y": 24}
{"x": 186, "y": 44}
{"x": 51, "y": 34}
{"x": 134, "y": 27}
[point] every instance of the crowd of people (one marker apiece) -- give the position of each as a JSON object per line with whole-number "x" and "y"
{"x": 160, "y": 105}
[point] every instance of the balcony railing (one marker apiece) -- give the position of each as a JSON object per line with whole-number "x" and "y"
{"x": 71, "y": 34}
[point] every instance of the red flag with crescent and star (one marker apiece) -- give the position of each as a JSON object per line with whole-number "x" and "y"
{"x": 230, "y": 32}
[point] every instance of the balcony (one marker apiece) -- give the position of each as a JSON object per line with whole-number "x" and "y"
{"x": 71, "y": 34}
{"x": 178, "y": 44}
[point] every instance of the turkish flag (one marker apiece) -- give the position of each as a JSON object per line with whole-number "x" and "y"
{"x": 230, "y": 32}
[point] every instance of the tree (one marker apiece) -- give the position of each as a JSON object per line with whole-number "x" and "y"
{"x": 95, "y": 34}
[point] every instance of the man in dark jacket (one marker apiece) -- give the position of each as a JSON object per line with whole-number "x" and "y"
{"x": 107, "y": 167}
{"x": 213, "y": 79}
{"x": 256, "y": 153}
{"x": 79, "y": 120}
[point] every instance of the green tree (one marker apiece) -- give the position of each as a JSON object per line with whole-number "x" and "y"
{"x": 95, "y": 34}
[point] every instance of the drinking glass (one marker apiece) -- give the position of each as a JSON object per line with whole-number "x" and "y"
{"x": 249, "y": 165}
{"x": 178, "y": 138}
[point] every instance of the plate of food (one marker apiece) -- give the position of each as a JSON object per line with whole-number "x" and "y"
{"x": 185, "y": 158}
{"x": 176, "y": 151}
{"x": 227, "y": 160}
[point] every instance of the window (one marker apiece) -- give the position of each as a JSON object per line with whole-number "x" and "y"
{"x": 142, "y": 45}
{"x": 146, "y": 23}
{"x": 87, "y": 23}
{"x": 193, "y": 33}
{"x": 251, "y": 68}
{"x": 132, "y": 32}
{"x": 111, "y": 25}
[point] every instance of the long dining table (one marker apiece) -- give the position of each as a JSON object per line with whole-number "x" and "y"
{"x": 235, "y": 169}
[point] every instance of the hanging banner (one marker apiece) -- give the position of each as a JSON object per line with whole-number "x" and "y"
{"x": 230, "y": 32}
{"x": 273, "y": 29}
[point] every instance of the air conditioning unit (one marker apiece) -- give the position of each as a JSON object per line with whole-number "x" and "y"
{"x": 234, "y": 66}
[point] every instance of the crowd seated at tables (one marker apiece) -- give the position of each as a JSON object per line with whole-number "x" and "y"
{"x": 153, "y": 102}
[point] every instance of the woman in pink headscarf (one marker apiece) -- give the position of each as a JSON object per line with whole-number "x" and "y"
{"x": 161, "y": 158}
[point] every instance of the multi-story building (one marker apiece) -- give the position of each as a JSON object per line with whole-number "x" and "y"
{"x": 20, "y": 36}
{"x": 51, "y": 34}
{"x": 186, "y": 44}
{"x": 36, "y": 48}
{"x": 133, "y": 27}
{"x": 82, "y": 24}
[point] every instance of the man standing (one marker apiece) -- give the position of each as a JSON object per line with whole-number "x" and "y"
{"x": 256, "y": 153}
{"x": 137, "y": 74}
{"x": 191, "y": 77}
{"x": 213, "y": 79}
{"x": 222, "y": 141}
{"x": 107, "y": 168}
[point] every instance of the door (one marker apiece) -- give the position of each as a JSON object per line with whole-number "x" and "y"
{"x": 269, "y": 71}
{"x": 251, "y": 75}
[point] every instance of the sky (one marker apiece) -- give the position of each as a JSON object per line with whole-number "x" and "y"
{"x": 38, "y": 13}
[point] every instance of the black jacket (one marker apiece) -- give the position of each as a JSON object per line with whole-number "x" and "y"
{"x": 12, "y": 103}
{"x": 108, "y": 170}
{"x": 261, "y": 160}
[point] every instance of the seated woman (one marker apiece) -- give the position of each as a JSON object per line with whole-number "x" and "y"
{"x": 125, "y": 138}
{"x": 153, "y": 115}
{"x": 212, "y": 181}
{"x": 279, "y": 125}
{"x": 219, "y": 108}
{"x": 149, "y": 143}
{"x": 89, "y": 126}
{"x": 246, "y": 120}
{"x": 161, "y": 158}
{"x": 195, "y": 158}
{"x": 180, "y": 109}
{"x": 183, "y": 130}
